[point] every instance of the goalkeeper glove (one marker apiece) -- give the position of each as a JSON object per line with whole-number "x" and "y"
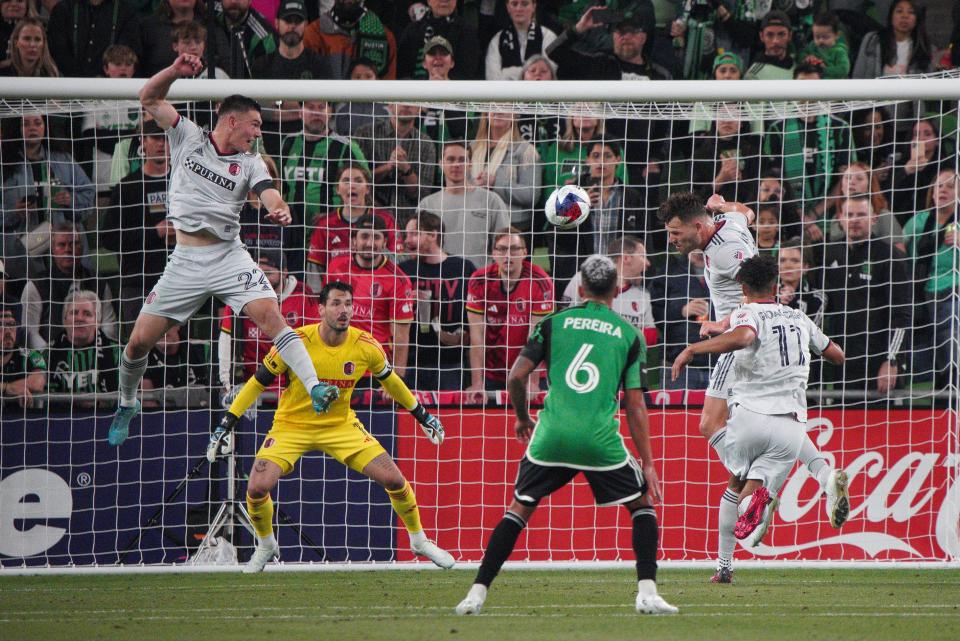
{"x": 227, "y": 398}
{"x": 429, "y": 423}
{"x": 221, "y": 441}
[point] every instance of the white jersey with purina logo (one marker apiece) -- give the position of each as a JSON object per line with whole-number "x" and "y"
{"x": 207, "y": 188}
{"x": 731, "y": 244}
{"x": 770, "y": 375}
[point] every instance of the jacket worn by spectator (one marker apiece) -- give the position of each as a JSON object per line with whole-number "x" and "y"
{"x": 869, "y": 311}
{"x": 30, "y": 180}
{"x": 766, "y": 67}
{"x": 369, "y": 39}
{"x": 236, "y": 46}
{"x": 463, "y": 37}
{"x": 577, "y": 65}
{"x": 81, "y": 30}
{"x": 870, "y": 63}
{"x": 151, "y": 40}
{"x": 83, "y": 370}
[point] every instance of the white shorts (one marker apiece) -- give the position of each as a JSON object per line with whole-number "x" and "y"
{"x": 193, "y": 274}
{"x": 721, "y": 378}
{"x": 761, "y": 446}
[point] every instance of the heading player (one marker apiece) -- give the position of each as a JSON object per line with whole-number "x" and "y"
{"x": 589, "y": 351}
{"x": 721, "y": 230}
{"x": 342, "y": 356}
{"x": 770, "y": 345}
{"x": 211, "y": 175}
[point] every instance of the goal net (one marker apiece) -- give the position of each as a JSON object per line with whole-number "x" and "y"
{"x": 855, "y": 190}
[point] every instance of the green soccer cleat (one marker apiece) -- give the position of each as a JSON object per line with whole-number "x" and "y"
{"x": 322, "y": 396}
{"x": 120, "y": 426}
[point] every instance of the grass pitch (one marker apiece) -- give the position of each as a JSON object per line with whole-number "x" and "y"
{"x": 523, "y": 605}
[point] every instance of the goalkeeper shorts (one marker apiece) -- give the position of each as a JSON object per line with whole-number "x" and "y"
{"x": 350, "y": 443}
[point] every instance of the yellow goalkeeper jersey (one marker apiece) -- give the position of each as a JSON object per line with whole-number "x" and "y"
{"x": 342, "y": 366}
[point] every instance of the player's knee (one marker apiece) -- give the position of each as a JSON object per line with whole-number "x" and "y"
{"x": 394, "y": 482}
{"x": 137, "y": 346}
{"x": 257, "y": 490}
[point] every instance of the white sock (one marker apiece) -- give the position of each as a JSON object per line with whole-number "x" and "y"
{"x": 814, "y": 460}
{"x": 267, "y": 541}
{"x": 294, "y": 354}
{"x": 417, "y": 538}
{"x": 729, "y": 513}
{"x": 647, "y": 587}
{"x": 478, "y": 592}
{"x": 131, "y": 371}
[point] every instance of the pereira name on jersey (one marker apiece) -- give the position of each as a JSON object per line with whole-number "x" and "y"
{"x": 730, "y": 245}
{"x": 590, "y": 352}
{"x": 208, "y": 188}
{"x": 771, "y": 374}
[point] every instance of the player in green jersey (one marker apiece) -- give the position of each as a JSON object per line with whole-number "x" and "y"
{"x": 589, "y": 352}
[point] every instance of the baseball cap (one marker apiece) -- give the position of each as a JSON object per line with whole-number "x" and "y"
{"x": 632, "y": 21}
{"x": 290, "y": 8}
{"x": 438, "y": 41}
{"x": 728, "y": 58}
{"x": 272, "y": 257}
{"x": 775, "y": 18}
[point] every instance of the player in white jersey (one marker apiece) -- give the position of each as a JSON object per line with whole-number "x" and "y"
{"x": 211, "y": 175}
{"x": 721, "y": 230}
{"x": 771, "y": 345}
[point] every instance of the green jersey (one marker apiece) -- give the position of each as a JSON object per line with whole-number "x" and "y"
{"x": 590, "y": 352}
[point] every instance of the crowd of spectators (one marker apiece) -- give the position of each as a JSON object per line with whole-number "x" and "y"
{"x": 435, "y": 215}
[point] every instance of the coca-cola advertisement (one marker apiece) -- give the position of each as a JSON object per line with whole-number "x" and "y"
{"x": 902, "y": 466}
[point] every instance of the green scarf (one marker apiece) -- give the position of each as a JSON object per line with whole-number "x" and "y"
{"x": 371, "y": 42}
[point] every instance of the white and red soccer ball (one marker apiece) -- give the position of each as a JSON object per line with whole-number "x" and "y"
{"x": 567, "y": 207}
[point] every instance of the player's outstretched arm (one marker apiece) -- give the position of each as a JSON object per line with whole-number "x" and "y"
{"x": 731, "y": 341}
{"x": 833, "y": 354}
{"x": 154, "y": 92}
{"x": 517, "y": 387}
{"x": 639, "y": 425}
{"x": 398, "y": 391}
{"x": 278, "y": 211}
{"x": 221, "y": 440}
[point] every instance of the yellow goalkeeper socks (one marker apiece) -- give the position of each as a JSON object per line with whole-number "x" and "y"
{"x": 261, "y": 513}
{"x": 404, "y": 503}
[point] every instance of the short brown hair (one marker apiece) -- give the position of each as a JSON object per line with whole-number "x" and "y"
{"x": 508, "y": 231}
{"x": 430, "y": 222}
{"x": 192, "y": 30}
{"x": 119, "y": 55}
{"x": 684, "y": 205}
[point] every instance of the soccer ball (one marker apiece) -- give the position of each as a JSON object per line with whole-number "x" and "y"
{"x": 568, "y": 206}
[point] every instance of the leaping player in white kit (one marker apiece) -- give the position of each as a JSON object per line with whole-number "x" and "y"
{"x": 721, "y": 230}
{"x": 770, "y": 345}
{"x": 211, "y": 175}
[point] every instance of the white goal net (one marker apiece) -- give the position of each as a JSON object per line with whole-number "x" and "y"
{"x": 856, "y": 193}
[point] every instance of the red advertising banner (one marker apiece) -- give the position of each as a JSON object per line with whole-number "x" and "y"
{"x": 902, "y": 464}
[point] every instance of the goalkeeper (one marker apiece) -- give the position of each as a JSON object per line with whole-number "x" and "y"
{"x": 342, "y": 355}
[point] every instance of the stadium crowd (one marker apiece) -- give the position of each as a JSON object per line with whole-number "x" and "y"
{"x": 435, "y": 215}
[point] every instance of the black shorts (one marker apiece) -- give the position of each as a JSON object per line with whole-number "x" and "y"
{"x": 610, "y": 487}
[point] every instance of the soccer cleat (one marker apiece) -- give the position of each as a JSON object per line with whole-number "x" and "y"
{"x": 723, "y": 575}
{"x": 649, "y": 602}
{"x": 120, "y": 425}
{"x": 434, "y": 552}
{"x": 838, "y": 499}
{"x": 322, "y": 396}
{"x": 473, "y": 602}
{"x": 756, "y": 519}
{"x": 261, "y": 556}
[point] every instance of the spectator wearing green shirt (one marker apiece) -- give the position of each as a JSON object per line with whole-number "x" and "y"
{"x": 22, "y": 370}
{"x": 933, "y": 241}
{"x": 828, "y": 49}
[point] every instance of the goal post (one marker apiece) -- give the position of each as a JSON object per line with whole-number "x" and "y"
{"x": 84, "y": 204}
